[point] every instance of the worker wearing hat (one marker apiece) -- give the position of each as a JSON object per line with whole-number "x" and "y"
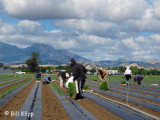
{"x": 102, "y": 75}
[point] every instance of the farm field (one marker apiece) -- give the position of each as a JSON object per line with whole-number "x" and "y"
{"x": 22, "y": 97}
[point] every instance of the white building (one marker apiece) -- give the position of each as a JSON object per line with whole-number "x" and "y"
{"x": 88, "y": 67}
{"x": 112, "y": 72}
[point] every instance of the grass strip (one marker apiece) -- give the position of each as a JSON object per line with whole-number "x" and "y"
{"x": 61, "y": 93}
{"x": 13, "y": 88}
{"x": 95, "y": 80}
{"x": 10, "y": 82}
{"x": 85, "y": 87}
{"x": 10, "y": 77}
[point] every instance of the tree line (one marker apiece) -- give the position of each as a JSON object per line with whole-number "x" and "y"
{"x": 33, "y": 66}
{"x": 137, "y": 71}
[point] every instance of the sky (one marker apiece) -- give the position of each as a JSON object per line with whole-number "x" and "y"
{"x": 94, "y": 29}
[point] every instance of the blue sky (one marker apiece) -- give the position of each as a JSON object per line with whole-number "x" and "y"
{"x": 94, "y": 29}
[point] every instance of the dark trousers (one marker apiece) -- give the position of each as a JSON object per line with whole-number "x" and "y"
{"x": 80, "y": 86}
{"x": 139, "y": 81}
{"x": 128, "y": 77}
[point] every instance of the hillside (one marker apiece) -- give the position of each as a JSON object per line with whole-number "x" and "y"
{"x": 121, "y": 62}
{"x": 48, "y": 55}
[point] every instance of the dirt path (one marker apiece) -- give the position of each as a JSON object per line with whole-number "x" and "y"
{"x": 16, "y": 102}
{"x": 51, "y": 107}
{"x": 99, "y": 112}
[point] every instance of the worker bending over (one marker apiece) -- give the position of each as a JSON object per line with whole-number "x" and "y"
{"x": 102, "y": 75}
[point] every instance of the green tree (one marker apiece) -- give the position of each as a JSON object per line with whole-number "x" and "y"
{"x": 153, "y": 72}
{"x": 93, "y": 70}
{"x": 60, "y": 67}
{"x": 142, "y": 71}
{"x": 134, "y": 70}
{"x": 43, "y": 69}
{"x": 33, "y": 62}
{"x": 1, "y": 65}
{"x": 67, "y": 68}
{"x": 121, "y": 69}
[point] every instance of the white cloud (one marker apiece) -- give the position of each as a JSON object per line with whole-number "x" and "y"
{"x": 68, "y": 44}
{"x": 89, "y": 46}
{"x": 148, "y": 14}
{"x": 89, "y": 26}
{"x": 156, "y": 5}
{"x": 130, "y": 43}
{"x": 95, "y": 29}
{"x": 7, "y": 29}
{"x": 119, "y": 10}
{"x": 156, "y": 38}
{"x": 30, "y": 27}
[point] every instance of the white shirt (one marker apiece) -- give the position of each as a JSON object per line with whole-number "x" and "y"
{"x": 128, "y": 71}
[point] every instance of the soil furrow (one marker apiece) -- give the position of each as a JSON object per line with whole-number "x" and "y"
{"x": 5, "y": 88}
{"x": 99, "y": 112}
{"x": 16, "y": 102}
{"x": 50, "y": 103}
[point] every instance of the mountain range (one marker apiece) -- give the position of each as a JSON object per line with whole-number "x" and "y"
{"x": 152, "y": 64}
{"x": 49, "y": 55}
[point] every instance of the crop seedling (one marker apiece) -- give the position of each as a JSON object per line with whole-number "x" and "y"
{"x": 85, "y": 87}
{"x": 13, "y": 88}
{"x": 38, "y": 79}
{"x": 61, "y": 93}
{"x": 104, "y": 86}
{"x": 71, "y": 89}
{"x": 123, "y": 82}
{"x": 95, "y": 80}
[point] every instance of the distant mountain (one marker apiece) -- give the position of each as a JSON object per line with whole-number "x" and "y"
{"x": 48, "y": 55}
{"x": 154, "y": 62}
{"x": 122, "y": 62}
{"x": 9, "y": 53}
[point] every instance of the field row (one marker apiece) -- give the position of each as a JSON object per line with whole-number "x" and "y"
{"x": 29, "y": 99}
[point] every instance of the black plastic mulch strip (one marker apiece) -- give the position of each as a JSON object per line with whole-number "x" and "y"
{"x": 152, "y": 106}
{"x": 32, "y": 106}
{"x": 118, "y": 110}
{"x": 73, "y": 109}
{"x": 11, "y": 94}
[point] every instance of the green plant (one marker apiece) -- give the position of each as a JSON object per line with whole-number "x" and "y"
{"x": 38, "y": 79}
{"x": 95, "y": 80}
{"x": 61, "y": 93}
{"x": 104, "y": 86}
{"x": 13, "y": 88}
{"x": 85, "y": 87}
{"x": 123, "y": 82}
{"x": 71, "y": 89}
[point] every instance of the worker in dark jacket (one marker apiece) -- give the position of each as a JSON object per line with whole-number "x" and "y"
{"x": 79, "y": 73}
{"x": 138, "y": 78}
